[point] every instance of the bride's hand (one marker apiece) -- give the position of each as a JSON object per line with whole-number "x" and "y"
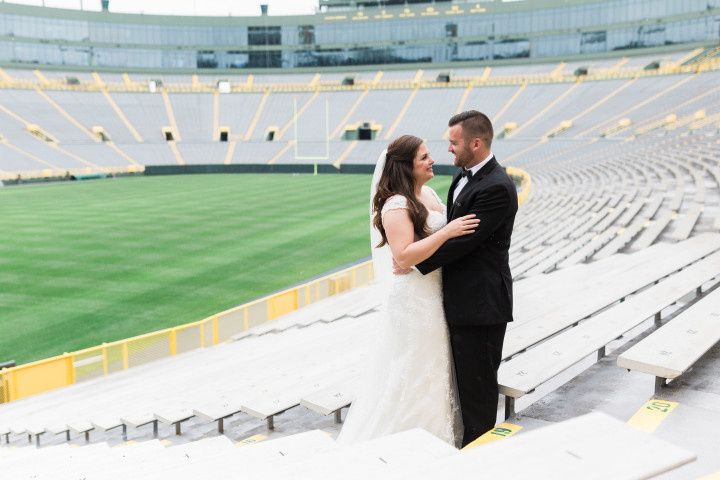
{"x": 462, "y": 226}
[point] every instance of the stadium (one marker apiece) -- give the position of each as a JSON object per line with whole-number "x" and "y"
{"x": 185, "y": 265}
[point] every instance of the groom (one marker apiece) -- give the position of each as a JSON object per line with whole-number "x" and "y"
{"x": 477, "y": 285}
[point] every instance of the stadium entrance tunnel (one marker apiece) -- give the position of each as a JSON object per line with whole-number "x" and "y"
{"x": 364, "y": 131}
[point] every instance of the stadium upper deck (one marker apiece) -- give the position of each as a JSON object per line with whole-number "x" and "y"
{"x": 443, "y": 32}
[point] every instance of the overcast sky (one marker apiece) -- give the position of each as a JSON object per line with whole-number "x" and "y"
{"x": 187, "y": 7}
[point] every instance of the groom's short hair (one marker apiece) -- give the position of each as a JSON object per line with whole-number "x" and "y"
{"x": 474, "y": 124}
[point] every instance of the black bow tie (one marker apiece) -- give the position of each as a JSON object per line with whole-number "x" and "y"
{"x": 467, "y": 173}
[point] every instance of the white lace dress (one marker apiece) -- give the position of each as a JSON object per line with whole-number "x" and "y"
{"x": 410, "y": 382}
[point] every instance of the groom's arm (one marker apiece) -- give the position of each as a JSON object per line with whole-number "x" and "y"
{"x": 491, "y": 207}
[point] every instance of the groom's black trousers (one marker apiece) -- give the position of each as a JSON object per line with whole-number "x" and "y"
{"x": 477, "y": 351}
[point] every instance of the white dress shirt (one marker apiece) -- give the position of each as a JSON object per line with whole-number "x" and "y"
{"x": 464, "y": 180}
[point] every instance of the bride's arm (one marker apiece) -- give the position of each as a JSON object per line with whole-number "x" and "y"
{"x": 401, "y": 236}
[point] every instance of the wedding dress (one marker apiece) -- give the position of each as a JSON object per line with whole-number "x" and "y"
{"x": 410, "y": 382}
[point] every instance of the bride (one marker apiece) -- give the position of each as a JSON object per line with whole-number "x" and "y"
{"x": 411, "y": 381}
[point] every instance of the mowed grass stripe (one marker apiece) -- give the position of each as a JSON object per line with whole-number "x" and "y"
{"x": 92, "y": 262}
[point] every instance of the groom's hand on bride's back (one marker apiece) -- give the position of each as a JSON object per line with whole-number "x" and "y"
{"x": 398, "y": 270}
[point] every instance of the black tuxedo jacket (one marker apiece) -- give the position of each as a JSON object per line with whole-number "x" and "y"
{"x": 477, "y": 285}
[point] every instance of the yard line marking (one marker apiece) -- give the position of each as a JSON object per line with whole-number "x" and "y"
{"x": 342, "y": 122}
{"x": 501, "y": 431}
{"x": 305, "y": 106}
{"x": 345, "y": 154}
{"x": 461, "y": 105}
{"x": 282, "y": 151}
{"x": 216, "y": 116}
{"x": 250, "y": 440}
{"x": 256, "y": 117}
{"x": 547, "y": 107}
{"x": 7, "y": 143}
{"x": 230, "y": 152}
{"x": 402, "y": 112}
{"x": 121, "y": 115}
{"x": 65, "y": 114}
{"x": 40, "y": 76}
{"x": 652, "y": 414}
{"x": 604, "y": 125}
{"x": 176, "y": 152}
{"x": 509, "y": 102}
{"x": 170, "y": 114}
{"x": 5, "y": 76}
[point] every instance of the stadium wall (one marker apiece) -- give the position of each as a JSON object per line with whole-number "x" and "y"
{"x": 421, "y": 33}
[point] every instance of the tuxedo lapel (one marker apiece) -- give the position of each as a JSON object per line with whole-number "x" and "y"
{"x": 467, "y": 189}
{"x": 450, "y": 204}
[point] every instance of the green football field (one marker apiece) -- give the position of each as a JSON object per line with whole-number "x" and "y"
{"x": 91, "y": 262}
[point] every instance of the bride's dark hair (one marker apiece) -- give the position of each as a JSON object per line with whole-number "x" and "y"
{"x": 397, "y": 179}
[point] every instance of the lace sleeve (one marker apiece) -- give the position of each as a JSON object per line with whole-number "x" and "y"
{"x": 394, "y": 203}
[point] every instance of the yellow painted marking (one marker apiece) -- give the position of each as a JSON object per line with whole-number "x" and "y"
{"x": 176, "y": 153}
{"x": 302, "y": 109}
{"x": 613, "y": 120}
{"x": 256, "y": 117}
{"x": 5, "y": 76}
{"x": 250, "y": 440}
{"x": 282, "y": 151}
{"x": 509, "y": 102}
{"x": 460, "y": 107}
{"x": 122, "y": 116}
{"x": 377, "y": 77}
{"x": 526, "y": 149}
{"x": 195, "y": 81}
{"x": 345, "y": 153}
{"x": 230, "y": 152}
{"x": 250, "y": 80}
{"x": 14, "y": 115}
{"x": 663, "y": 114}
{"x": 689, "y": 55}
{"x": 501, "y": 431}
{"x": 28, "y": 154}
{"x": 40, "y": 76}
{"x": 75, "y": 157}
{"x": 315, "y": 80}
{"x": 401, "y": 113}
{"x": 547, "y": 107}
{"x": 98, "y": 79}
{"x": 620, "y": 63}
{"x": 165, "y": 442}
{"x": 558, "y": 70}
{"x": 712, "y": 476}
{"x": 65, "y": 114}
{"x": 418, "y": 75}
{"x": 170, "y": 114}
{"x": 127, "y": 157}
{"x": 603, "y": 100}
{"x": 704, "y": 122}
{"x": 345, "y": 119}
{"x": 652, "y": 414}
{"x": 216, "y": 116}
{"x": 486, "y": 74}
{"x": 126, "y": 79}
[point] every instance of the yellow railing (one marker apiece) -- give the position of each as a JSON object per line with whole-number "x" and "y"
{"x": 525, "y": 182}
{"x": 712, "y": 63}
{"x": 43, "y": 375}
